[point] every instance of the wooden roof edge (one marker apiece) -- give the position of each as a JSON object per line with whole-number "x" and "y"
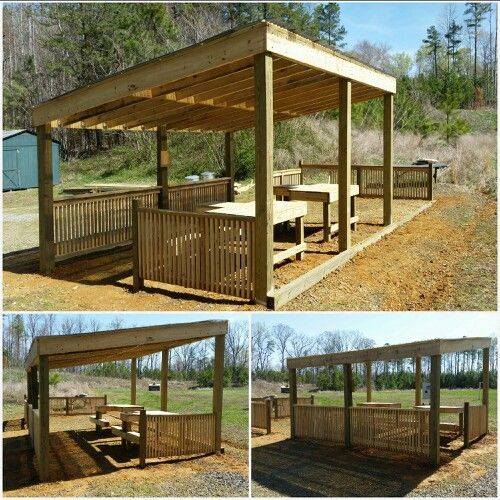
{"x": 126, "y": 337}
{"x": 420, "y": 348}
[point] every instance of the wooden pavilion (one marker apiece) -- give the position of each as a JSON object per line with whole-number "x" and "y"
{"x": 248, "y": 77}
{"x": 389, "y": 427}
{"x": 62, "y": 351}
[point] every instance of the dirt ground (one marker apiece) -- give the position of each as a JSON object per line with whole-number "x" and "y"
{"x": 86, "y": 464}
{"x": 285, "y": 467}
{"x": 443, "y": 259}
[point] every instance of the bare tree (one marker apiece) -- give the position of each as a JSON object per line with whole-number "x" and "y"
{"x": 237, "y": 344}
{"x": 262, "y": 347}
{"x": 283, "y": 334}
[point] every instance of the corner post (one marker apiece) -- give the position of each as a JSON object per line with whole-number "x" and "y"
{"x": 43, "y": 422}
{"x": 138, "y": 281}
{"x": 292, "y": 384}
{"x": 344, "y": 173}
{"x": 264, "y": 138}
{"x": 418, "y": 381}
{"x": 34, "y": 387}
{"x": 162, "y": 164}
{"x": 133, "y": 381}
{"x": 429, "y": 181}
{"x": 466, "y": 425}
{"x": 45, "y": 198}
{"x": 269, "y": 405}
{"x": 217, "y": 393}
{"x": 164, "y": 380}
{"x": 368, "y": 381}
{"x": 347, "y": 404}
{"x": 143, "y": 438}
{"x": 229, "y": 148}
{"x": 486, "y": 381}
{"x": 434, "y": 409}
{"x": 388, "y": 154}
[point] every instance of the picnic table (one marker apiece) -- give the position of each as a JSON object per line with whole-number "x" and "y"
{"x": 102, "y": 409}
{"x": 447, "y": 409}
{"x": 283, "y": 211}
{"x": 373, "y": 404}
{"x": 321, "y": 193}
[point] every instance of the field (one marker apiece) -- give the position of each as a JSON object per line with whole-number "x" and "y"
{"x": 91, "y": 465}
{"x": 282, "y": 467}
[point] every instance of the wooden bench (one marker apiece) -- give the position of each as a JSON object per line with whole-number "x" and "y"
{"x": 132, "y": 436}
{"x": 100, "y": 422}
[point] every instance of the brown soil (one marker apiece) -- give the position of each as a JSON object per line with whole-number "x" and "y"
{"x": 445, "y": 258}
{"x": 285, "y": 467}
{"x": 83, "y": 463}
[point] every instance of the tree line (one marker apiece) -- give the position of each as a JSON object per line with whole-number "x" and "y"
{"x": 272, "y": 346}
{"x": 192, "y": 362}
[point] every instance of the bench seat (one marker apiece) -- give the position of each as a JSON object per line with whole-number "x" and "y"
{"x": 131, "y": 436}
{"x": 101, "y": 422}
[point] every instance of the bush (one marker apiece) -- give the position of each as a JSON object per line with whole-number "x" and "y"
{"x": 54, "y": 378}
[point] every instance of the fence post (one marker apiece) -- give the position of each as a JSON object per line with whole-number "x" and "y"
{"x": 105, "y": 399}
{"x": 138, "y": 281}
{"x": 268, "y": 415}
{"x": 301, "y": 172}
{"x": 142, "y": 438}
{"x": 67, "y": 406}
{"x": 275, "y": 407}
{"x": 312, "y": 400}
{"x": 429, "y": 181}
{"x": 466, "y": 425}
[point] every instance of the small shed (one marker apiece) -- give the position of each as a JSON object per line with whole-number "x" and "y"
{"x": 20, "y": 162}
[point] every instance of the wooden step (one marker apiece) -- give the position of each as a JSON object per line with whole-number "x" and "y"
{"x": 101, "y": 422}
{"x": 131, "y": 436}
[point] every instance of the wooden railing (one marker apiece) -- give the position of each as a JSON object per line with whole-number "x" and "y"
{"x": 281, "y": 406}
{"x": 208, "y": 252}
{"x": 325, "y": 423}
{"x": 392, "y": 429}
{"x": 34, "y": 429}
{"x": 289, "y": 176}
{"x": 261, "y": 414}
{"x": 186, "y": 197}
{"x": 179, "y": 435}
{"x": 475, "y": 422}
{"x": 89, "y": 222}
{"x": 73, "y": 405}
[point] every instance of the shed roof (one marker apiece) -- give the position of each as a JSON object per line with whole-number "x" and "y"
{"x": 390, "y": 352}
{"x": 114, "y": 345}
{"x": 12, "y": 133}
{"x": 210, "y": 86}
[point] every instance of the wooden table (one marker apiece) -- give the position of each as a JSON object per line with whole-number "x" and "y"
{"x": 372, "y": 404}
{"x": 283, "y": 211}
{"x": 321, "y": 193}
{"x": 447, "y": 409}
{"x": 101, "y": 409}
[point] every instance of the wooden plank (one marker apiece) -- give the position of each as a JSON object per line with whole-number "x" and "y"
{"x": 133, "y": 381}
{"x": 162, "y": 165}
{"x": 164, "y": 380}
{"x": 368, "y": 368}
{"x": 218, "y": 390}
{"x": 347, "y": 403}
{"x": 264, "y": 281}
{"x": 292, "y": 384}
{"x": 43, "y": 422}
{"x": 418, "y": 381}
{"x": 486, "y": 382}
{"x": 45, "y": 198}
{"x": 229, "y": 152}
{"x": 143, "y": 438}
{"x": 344, "y": 173}
{"x": 388, "y": 158}
{"x": 138, "y": 279}
{"x": 435, "y": 376}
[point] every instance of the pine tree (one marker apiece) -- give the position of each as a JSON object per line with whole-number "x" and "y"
{"x": 477, "y": 14}
{"x": 330, "y": 29}
{"x": 433, "y": 43}
{"x": 453, "y": 41}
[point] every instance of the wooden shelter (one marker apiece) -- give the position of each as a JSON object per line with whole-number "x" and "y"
{"x": 62, "y": 351}
{"x": 249, "y": 77}
{"x": 414, "y": 430}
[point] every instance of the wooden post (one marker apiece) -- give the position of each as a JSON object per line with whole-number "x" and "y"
{"x": 229, "y": 163}
{"x": 43, "y": 421}
{"x": 268, "y": 415}
{"x": 162, "y": 164}
{"x": 344, "y": 174}
{"x": 301, "y": 162}
{"x": 418, "y": 381}
{"x": 292, "y": 384}
{"x": 486, "y": 381}
{"x": 466, "y": 425}
{"x": 164, "y": 380}
{"x": 34, "y": 387}
{"x": 347, "y": 404}
{"x": 138, "y": 280}
{"x": 45, "y": 199}
{"x": 327, "y": 223}
{"x": 429, "y": 182}
{"x": 29, "y": 384}
{"x": 368, "y": 366}
{"x": 312, "y": 400}
{"x": 299, "y": 235}
{"x": 218, "y": 389}
{"x": 143, "y": 438}
{"x": 263, "y": 176}
{"x": 133, "y": 381}
{"x": 388, "y": 170}
{"x": 434, "y": 409}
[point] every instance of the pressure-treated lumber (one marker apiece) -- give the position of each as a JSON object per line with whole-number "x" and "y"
{"x": 45, "y": 198}
{"x": 164, "y": 380}
{"x": 292, "y": 384}
{"x": 344, "y": 206}
{"x": 162, "y": 165}
{"x": 368, "y": 368}
{"x": 348, "y": 386}
{"x": 133, "y": 381}
{"x": 143, "y": 438}
{"x": 486, "y": 381}
{"x": 418, "y": 381}
{"x": 217, "y": 389}
{"x": 43, "y": 422}
{"x": 466, "y": 424}
{"x": 229, "y": 151}
{"x": 435, "y": 376}
{"x": 388, "y": 158}
{"x": 263, "y": 176}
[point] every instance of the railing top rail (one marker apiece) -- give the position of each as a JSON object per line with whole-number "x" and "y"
{"x": 107, "y": 194}
{"x": 199, "y": 215}
{"x": 179, "y": 415}
{"x": 326, "y": 166}
{"x": 287, "y": 171}
{"x": 190, "y": 185}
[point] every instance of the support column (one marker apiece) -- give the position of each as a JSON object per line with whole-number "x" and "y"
{"x": 43, "y": 420}
{"x": 344, "y": 175}
{"x": 434, "y": 409}
{"x": 218, "y": 389}
{"x": 164, "y": 380}
{"x": 368, "y": 366}
{"x": 264, "y": 138}
{"x": 162, "y": 164}
{"x": 133, "y": 381}
{"x": 292, "y": 384}
{"x": 486, "y": 381}
{"x": 418, "y": 381}
{"x": 388, "y": 170}
{"x": 347, "y": 404}
{"x": 45, "y": 199}
{"x": 229, "y": 163}
{"x": 34, "y": 387}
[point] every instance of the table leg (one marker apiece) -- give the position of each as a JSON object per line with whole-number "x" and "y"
{"x": 125, "y": 428}
{"x": 98, "y": 415}
{"x": 460, "y": 424}
{"x": 299, "y": 235}
{"x": 327, "y": 223}
{"x": 354, "y": 225}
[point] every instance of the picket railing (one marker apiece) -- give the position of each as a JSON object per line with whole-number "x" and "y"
{"x": 261, "y": 414}
{"x": 475, "y": 422}
{"x": 208, "y": 252}
{"x": 186, "y": 197}
{"x": 75, "y": 405}
{"x": 324, "y": 423}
